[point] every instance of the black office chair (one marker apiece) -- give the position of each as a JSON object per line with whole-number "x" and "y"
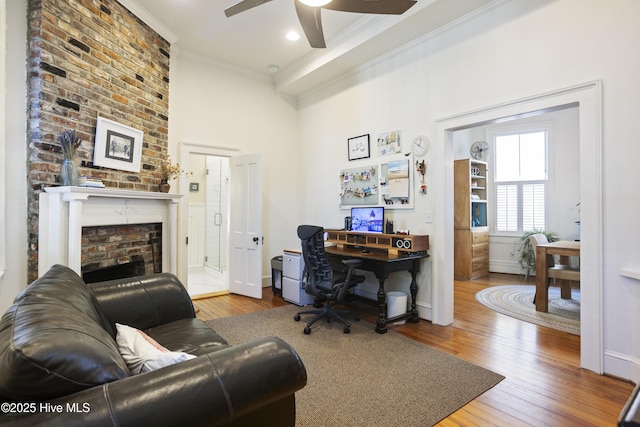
{"x": 322, "y": 282}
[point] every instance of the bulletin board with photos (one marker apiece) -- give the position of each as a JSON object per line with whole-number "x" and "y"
{"x": 388, "y": 182}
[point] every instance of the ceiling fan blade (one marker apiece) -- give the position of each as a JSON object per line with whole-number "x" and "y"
{"x": 311, "y": 22}
{"x": 386, "y": 7}
{"x": 242, "y": 6}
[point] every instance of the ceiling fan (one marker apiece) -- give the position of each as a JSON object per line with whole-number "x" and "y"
{"x": 309, "y": 12}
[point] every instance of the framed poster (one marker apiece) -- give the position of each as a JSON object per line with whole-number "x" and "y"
{"x": 389, "y": 143}
{"x": 117, "y": 146}
{"x": 358, "y": 147}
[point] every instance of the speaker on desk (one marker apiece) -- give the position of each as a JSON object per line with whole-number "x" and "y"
{"x": 401, "y": 243}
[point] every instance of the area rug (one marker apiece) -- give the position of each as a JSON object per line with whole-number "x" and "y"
{"x": 364, "y": 378}
{"x": 517, "y": 301}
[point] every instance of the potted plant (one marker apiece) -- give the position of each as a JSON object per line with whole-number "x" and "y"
{"x": 168, "y": 172}
{"x": 526, "y": 256}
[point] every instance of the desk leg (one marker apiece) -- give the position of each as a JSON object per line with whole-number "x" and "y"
{"x": 413, "y": 288}
{"x": 542, "y": 291}
{"x": 381, "y": 324}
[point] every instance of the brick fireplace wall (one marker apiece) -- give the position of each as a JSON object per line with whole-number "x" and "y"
{"x": 90, "y": 58}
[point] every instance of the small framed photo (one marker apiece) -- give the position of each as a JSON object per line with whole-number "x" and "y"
{"x": 358, "y": 147}
{"x": 194, "y": 187}
{"x": 117, "y": 146}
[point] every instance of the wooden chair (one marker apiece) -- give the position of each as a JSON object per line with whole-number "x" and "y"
{"x": 563, "y": 272}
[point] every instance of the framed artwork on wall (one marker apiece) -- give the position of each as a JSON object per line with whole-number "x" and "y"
{"x": 358, "y": 147}
{"x": 387, "y": 181}
{"x": 389, "y": 143}
{"x": 117, "y": 146}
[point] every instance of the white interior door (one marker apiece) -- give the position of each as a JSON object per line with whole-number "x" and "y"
{"x": 245, "y": 224}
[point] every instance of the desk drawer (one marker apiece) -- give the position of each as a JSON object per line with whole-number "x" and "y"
{"x": 479, "y": 267}
{"x": 480, "y": 236}
{"x": 480, "y": 250}
{"x": 292, "y": 265}
{"x": 293, "y": 291}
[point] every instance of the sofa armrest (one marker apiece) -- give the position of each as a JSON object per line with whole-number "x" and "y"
{"x": 225, "y": 387}
{"x": 630, "y": 414}
{"x": 144, "y": 301}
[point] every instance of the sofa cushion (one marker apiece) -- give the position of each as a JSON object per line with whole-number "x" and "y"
{"x": 142, "y": 353}
{"x": 53, "y": 340}
{"x": 191, "y": 336}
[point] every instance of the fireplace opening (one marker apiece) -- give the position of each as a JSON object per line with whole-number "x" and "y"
{"x": 135, "y": 267}
{"x": 112, "y": 252}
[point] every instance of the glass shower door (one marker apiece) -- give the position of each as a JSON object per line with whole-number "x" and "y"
{"x": 217, "y": 202}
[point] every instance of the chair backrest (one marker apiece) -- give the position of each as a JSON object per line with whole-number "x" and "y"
{"x": 537, "y": 239}
{"x": 316, "y": 263}
{"x": 541, "y": 239}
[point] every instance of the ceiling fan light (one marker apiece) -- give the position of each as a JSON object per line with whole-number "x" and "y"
{"x": 315, "y": 3}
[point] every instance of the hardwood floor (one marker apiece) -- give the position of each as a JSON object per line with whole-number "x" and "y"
{"x": 544, "y": 385}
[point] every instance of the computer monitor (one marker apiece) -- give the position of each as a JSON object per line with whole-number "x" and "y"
{"x": 367, "y": 219}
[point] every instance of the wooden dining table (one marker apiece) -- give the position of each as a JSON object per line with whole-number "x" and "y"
{"x": 544, "y": 260}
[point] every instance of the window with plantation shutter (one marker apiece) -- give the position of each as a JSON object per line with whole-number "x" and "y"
{"x": 520, "y": 181}
{"x": 533, "y": 212}
{"x": 507, "y": 207}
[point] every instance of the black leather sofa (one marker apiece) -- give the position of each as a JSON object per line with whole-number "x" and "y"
{"x": 630, "y": 414}
{"x": 60, "y": 364}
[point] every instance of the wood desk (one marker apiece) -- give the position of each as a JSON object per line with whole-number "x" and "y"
{"x": 564, "y": 248}
{"x": 382, "y": 263}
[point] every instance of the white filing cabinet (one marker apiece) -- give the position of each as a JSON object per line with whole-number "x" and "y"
{"x": 292, "y": 286}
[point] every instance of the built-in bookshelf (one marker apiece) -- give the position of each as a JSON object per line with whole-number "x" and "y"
{"x": 471, "y": 234}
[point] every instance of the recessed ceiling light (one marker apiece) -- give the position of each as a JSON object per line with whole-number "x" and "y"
{"x": 293, "y": 35}
{"x": 274, "y": 68}
{"x": 315, "y": 3}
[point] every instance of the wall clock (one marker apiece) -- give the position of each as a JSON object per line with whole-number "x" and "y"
{"x": 420, "y": 145}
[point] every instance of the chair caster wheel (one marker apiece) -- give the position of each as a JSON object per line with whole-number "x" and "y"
{"x": 346, "y": 330}
{"x": 296, "y": 317}
{"x": 307, "y": 330}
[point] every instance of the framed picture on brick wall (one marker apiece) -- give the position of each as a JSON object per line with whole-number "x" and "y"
{"x": 117, "y": 146}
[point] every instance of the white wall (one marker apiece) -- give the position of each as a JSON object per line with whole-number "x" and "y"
{"x": 218, "y": 106}
{"x": 512, "y": 51}
{"x": 13, "y": 141}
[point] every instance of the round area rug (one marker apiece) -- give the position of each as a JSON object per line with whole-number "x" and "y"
{"x": 517, "y": 301}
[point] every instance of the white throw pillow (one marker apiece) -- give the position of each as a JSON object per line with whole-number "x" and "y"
{"x": 142, "y": 353}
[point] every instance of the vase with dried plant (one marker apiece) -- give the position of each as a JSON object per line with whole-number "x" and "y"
{"x": 168, "y": 172}
{"x": 69, "y": 142}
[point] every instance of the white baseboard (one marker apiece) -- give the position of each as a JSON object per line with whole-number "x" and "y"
{"x": 424, "y": 310}
{"x": 500, "y": 266}
{"x": 622, "y": 366}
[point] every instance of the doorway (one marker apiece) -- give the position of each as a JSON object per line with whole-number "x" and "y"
{"x": 208, "y": 207}
{"x": 191, "y": 262}
{"x": 244, "y": 230}
{"x": 587, "y": 97}
{"x": 558, "y": 193}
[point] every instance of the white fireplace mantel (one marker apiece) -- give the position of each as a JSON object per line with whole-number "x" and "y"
{"x": 65, "y": 210}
